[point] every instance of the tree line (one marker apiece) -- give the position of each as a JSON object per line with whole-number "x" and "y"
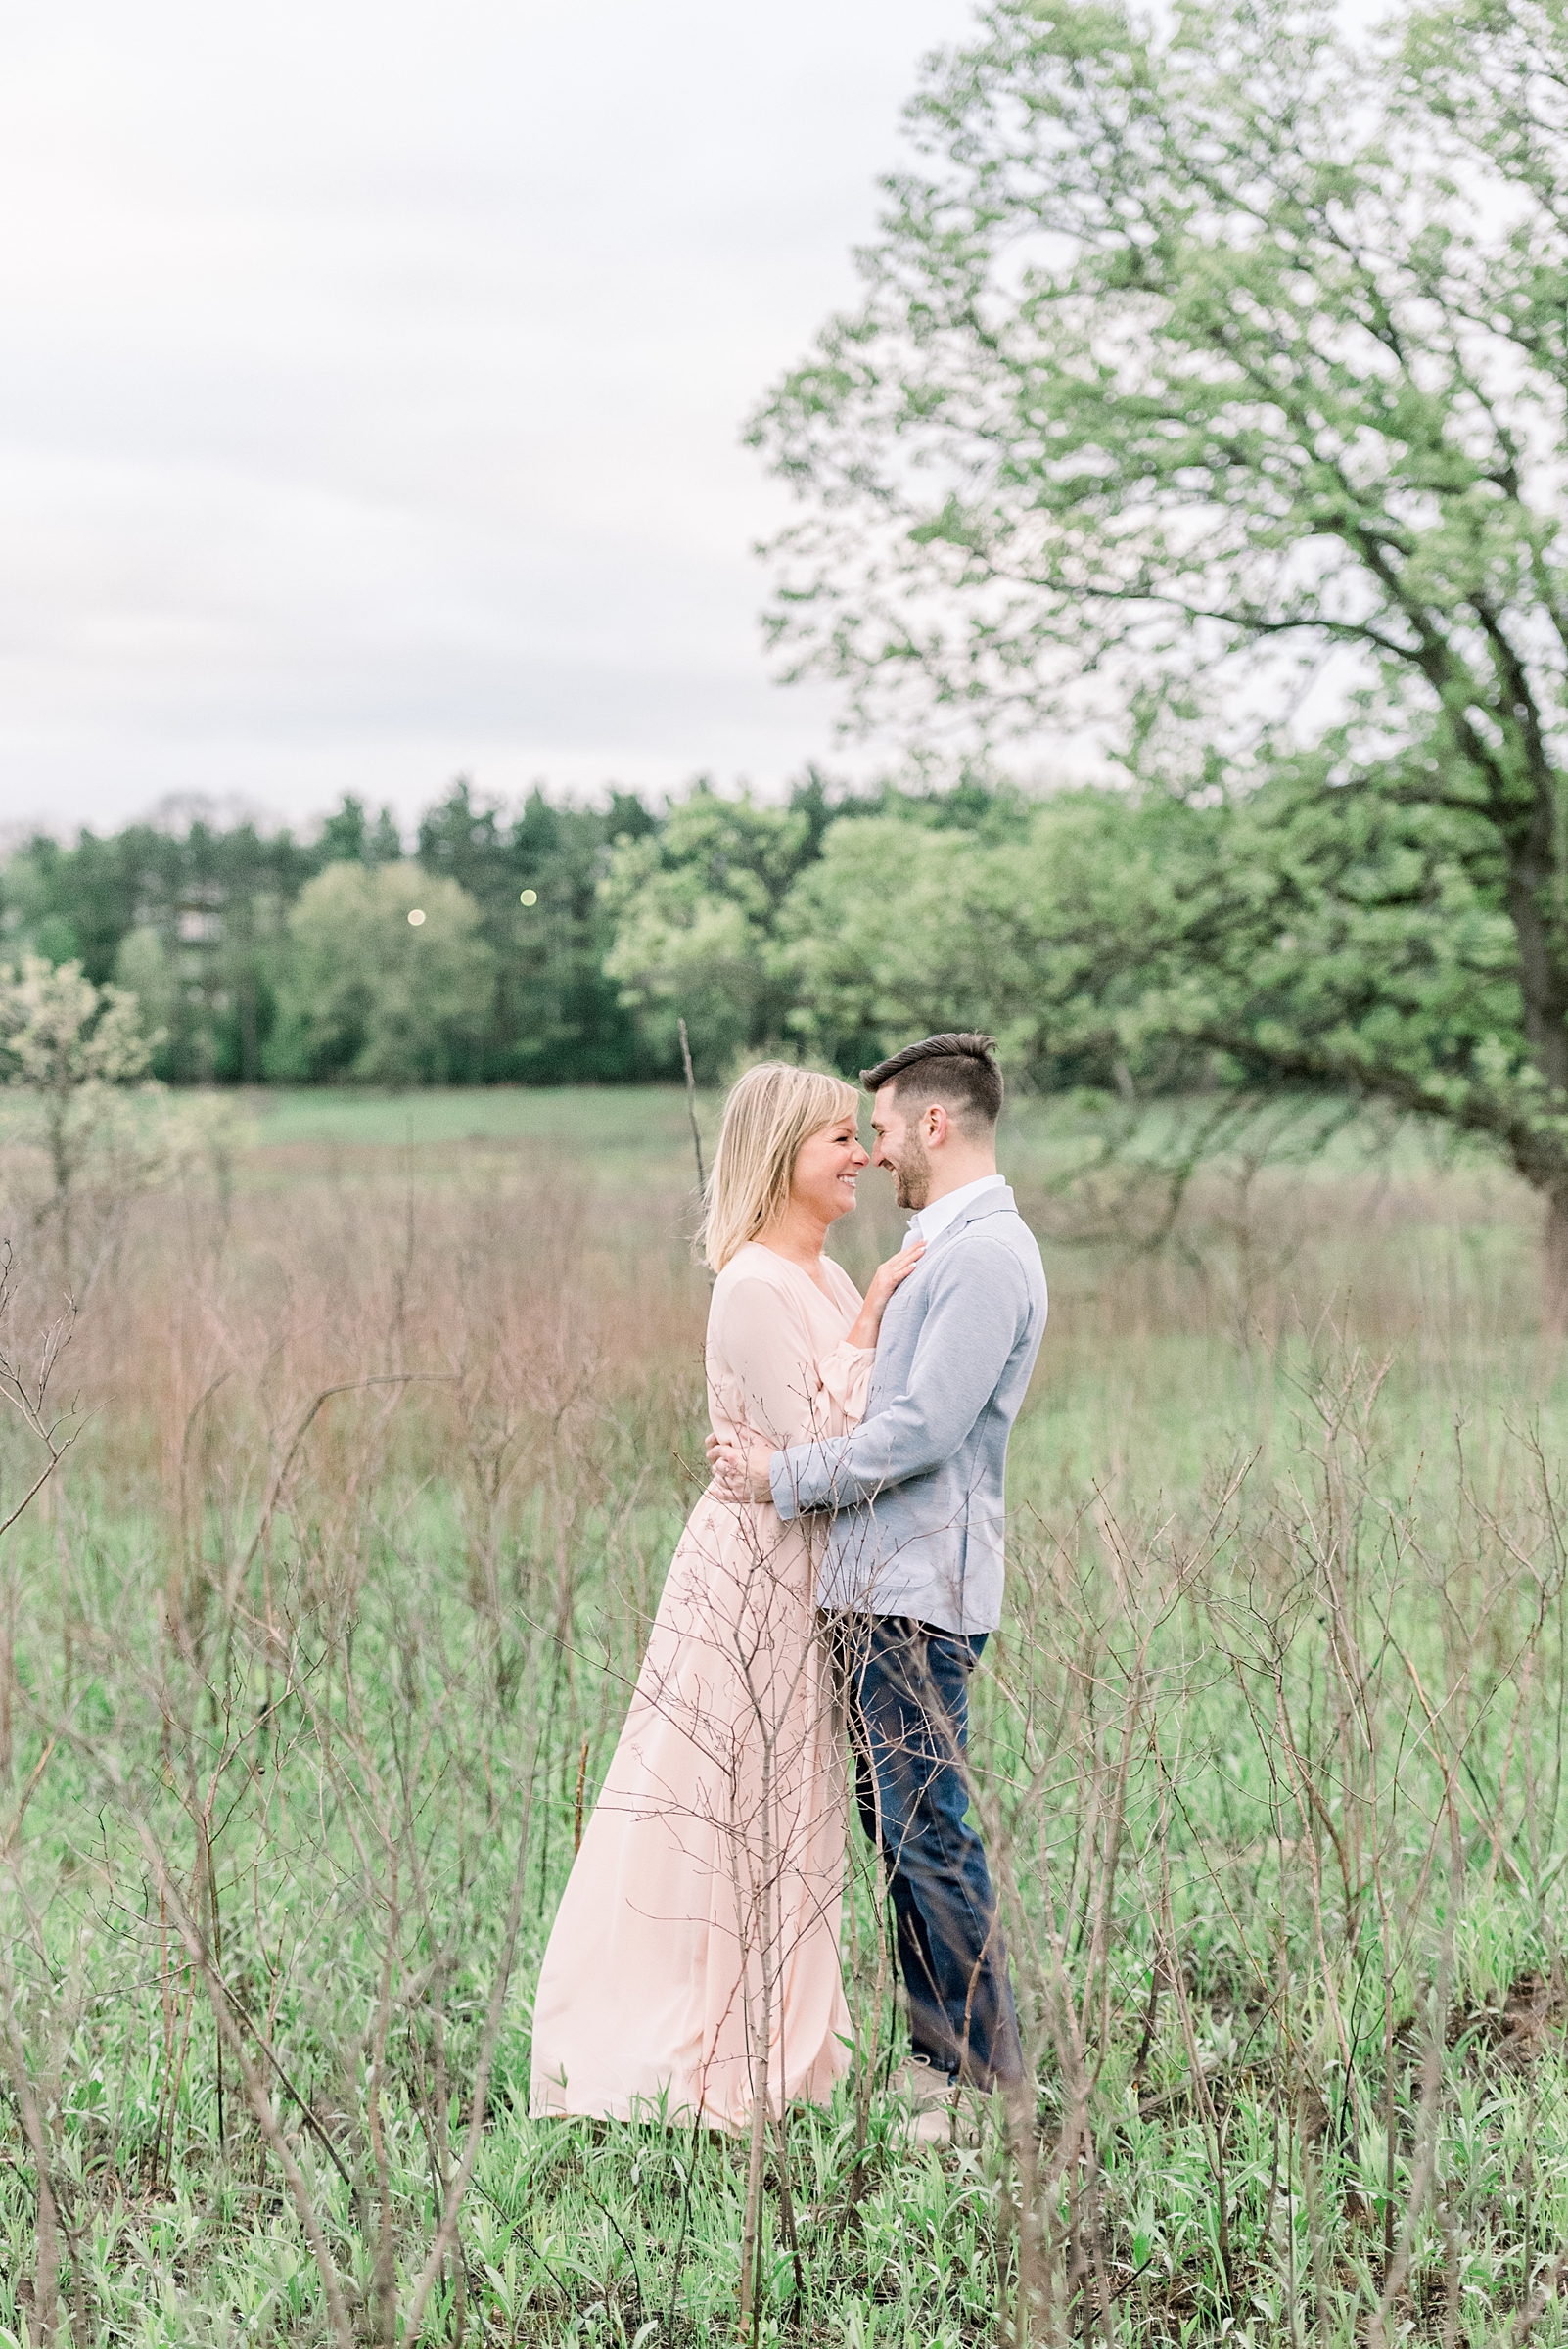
{"x": 547, "y": 944}
{"x": 260, "y": 955}
{"x": 1316, "y": 930}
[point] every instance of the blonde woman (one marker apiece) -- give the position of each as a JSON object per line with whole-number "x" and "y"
{"x": 694, "y": 1962}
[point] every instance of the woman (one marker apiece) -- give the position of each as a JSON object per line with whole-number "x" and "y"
{"x": 694, "y": 1962}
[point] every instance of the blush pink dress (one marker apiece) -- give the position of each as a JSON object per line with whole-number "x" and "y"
{"x": 695, "y": 1953}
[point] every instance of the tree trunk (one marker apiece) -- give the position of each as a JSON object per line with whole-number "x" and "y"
{"x": 1554, "y": 1262}
{"x": 57, "y": 1124}
{"x": 249, "y": 1025}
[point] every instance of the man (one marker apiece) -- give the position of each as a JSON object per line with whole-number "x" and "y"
{"x": 912, "y": 1574}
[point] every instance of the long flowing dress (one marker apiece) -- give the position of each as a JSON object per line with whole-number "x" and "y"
{"x": 700, "y": 1924}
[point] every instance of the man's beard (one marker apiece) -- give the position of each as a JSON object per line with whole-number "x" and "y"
{"x": 912, "y": 1176}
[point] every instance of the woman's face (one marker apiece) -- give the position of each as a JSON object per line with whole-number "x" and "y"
{"x": 826, "y": 1165}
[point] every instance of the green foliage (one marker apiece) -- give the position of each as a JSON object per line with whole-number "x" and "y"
{"x": 904, "y": 927}
{"x": 66, "y": 1049}
{"x": 375, "y": 995}
{"x": 206, "y": 908}
{"x": 1309, "y": 932}
{"x": 738, "y": 917}
{"x": 1181, "y": 383}
{"x": 60, "y": 1035}
{"x": 1346, "y": 932}
{"x": 557, "y": 1017}
{"x": 347, "y": 839}
{"x": 146, "y": 969}
{"x": 695, "y": 908}
{"x": 195, "y": 923}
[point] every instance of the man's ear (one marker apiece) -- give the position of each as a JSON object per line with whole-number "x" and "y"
{"x": 936, "y": 1125}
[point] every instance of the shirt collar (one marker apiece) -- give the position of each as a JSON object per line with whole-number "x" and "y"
{"x": 949, "y": 1206}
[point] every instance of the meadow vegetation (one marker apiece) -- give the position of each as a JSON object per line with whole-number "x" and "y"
{"x": 376, "y": 1442}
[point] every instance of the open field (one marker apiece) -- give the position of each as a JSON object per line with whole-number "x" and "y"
{"x": 313, "y": 1654}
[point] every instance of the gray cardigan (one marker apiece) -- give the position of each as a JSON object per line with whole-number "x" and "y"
{"x": 916, "y": 1492}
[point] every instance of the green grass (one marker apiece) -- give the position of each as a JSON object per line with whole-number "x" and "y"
{"x": 1269, "y": 1754}
{"x": 637, "y": 1118}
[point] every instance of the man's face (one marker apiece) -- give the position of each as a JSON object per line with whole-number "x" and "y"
{"x": 900, "y": 1147}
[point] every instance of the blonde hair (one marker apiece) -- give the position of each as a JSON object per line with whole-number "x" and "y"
{"x": 771, "y": 1112}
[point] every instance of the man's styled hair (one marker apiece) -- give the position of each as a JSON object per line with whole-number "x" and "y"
{"x": 958, "y": 1071}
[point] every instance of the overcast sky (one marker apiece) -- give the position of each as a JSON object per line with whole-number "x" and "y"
{"x": 371, "y": 384}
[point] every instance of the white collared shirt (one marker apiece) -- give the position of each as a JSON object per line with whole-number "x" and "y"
{"x": 942, "y": 1211}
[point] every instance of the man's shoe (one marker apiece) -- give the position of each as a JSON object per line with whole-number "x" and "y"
{"x": 927, "y": 2095}
{"x": 1006, "y": 2109}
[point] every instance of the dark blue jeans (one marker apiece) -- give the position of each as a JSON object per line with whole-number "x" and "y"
{"x": 907, "y": 1694}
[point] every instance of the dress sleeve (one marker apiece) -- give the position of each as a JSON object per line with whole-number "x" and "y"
{"x": 845, "y": 1375}
{"x": 770, "y": 1354}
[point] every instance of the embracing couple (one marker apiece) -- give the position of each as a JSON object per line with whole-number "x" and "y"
{"x": 840, "y": 1574}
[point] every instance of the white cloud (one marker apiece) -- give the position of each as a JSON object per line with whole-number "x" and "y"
{"x": 371, "y": 382}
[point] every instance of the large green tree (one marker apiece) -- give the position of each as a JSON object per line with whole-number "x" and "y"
{"x": 725, "y": 916}
{"x": 904, "y": 926}
{"x": 695, "y": 908}
{"x": 1210, "y": 388}
{"x": 389, "y": 981}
